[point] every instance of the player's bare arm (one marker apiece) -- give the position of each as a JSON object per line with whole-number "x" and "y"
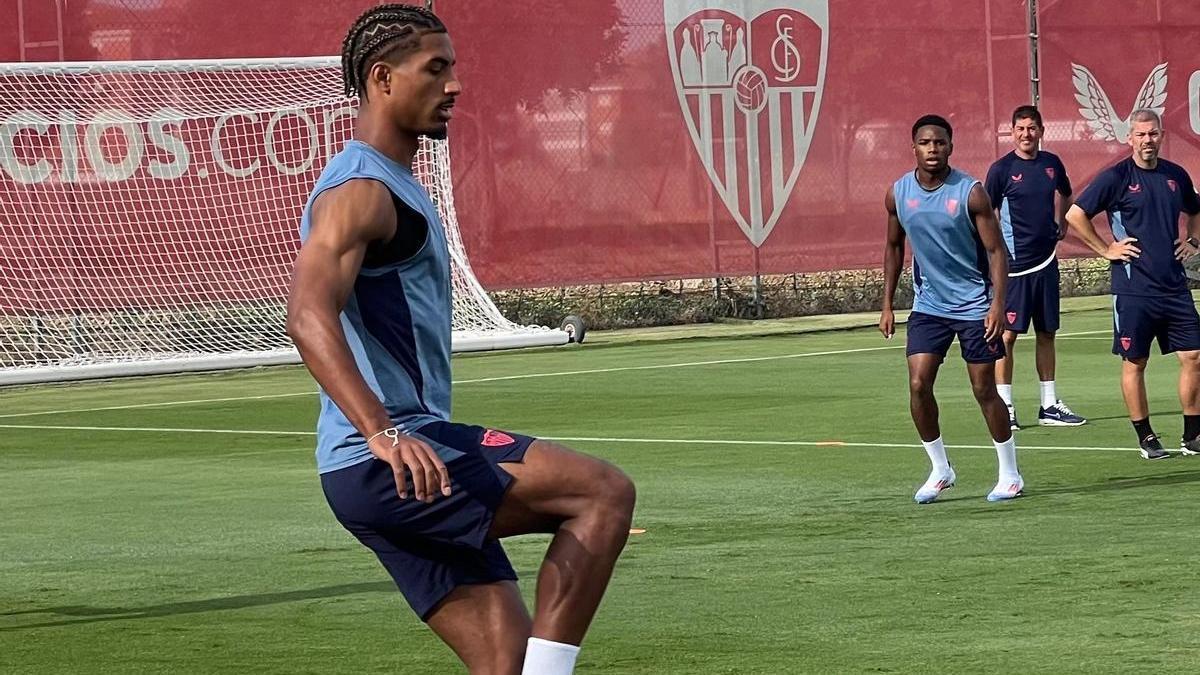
{"x": 1118, "y": 251}
{"x": 989, "y": 235}
{"x": 893, "y": 260}
{"x": 1063, "y": 203}
{"x": 345, "y": 220}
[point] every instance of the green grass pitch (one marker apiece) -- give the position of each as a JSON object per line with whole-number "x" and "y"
{"x": 145, "y": 530}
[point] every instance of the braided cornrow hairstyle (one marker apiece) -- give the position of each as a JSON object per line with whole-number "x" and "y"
{"x": 382, "y": 32}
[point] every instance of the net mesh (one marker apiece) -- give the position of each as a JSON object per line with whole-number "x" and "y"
{"x": 150, "y": 210}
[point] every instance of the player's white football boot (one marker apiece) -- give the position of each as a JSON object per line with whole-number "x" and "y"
{"x": 934, "y": 486}
{"x": 1008, "y": 488}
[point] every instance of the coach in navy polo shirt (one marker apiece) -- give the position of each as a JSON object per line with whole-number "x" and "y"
{"x": 1144, "y": 197}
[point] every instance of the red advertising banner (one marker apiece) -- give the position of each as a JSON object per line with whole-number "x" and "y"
{"x": 617, "y": 140}
{"x": 1103, "y": 59}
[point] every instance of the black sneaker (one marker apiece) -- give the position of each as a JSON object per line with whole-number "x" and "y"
{"x": 1152, "y": 448}
{"x": 1191, "y": 447}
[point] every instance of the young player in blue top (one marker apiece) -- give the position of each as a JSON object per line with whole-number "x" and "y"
{"x": 1022, "y": 186}
{"x": 370, "y": 312}
{"x": 959, "y": 274}
{"x": 1144, "y": 196}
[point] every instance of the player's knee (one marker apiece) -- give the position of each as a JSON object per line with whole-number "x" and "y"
{"x": 920, "y": 386}
{"x": 984, "y": 391}
{"x": 609, "y": 507}
{"x": 617, "y": 495}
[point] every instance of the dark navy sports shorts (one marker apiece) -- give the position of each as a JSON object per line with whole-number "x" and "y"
{"x": 1033, "y": 298}
{"x": 1138, "y": 320}
{"x": 929, "y": 334}
{"x": 430, "y": 549}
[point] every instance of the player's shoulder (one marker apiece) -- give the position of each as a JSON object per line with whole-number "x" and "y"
{"x": 1049, "y": 158}
{"x": 1000, "y": 166}
{"x": 1169, "y": 167}
{"x": 1115, "y": 173}
{"x": 960, "y": 178}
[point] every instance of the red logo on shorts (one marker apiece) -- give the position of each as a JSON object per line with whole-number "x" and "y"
{"x": 992, "y": 347}
{"x": 496, "y": 439}
{"x": 1011, "y": 316}
{"x": 1125, "y": 342}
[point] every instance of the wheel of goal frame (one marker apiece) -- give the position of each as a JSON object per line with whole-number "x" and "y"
{"x": 574, "y": 328}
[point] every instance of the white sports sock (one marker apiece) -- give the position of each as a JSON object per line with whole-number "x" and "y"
{"x": 543, "y": 657}
{"x": 1049, "y": 397}
{"x": 1006, "y": 456}
{"x": 937, "y": 454}
{"x": 1005, "y": 391}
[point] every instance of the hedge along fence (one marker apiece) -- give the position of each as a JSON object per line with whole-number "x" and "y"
{"x": 664, "y": 303}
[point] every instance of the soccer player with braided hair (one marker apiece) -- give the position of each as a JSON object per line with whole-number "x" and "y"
{"x": 370, "y": 311}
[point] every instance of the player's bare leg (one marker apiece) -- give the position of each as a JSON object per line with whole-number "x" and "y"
{"x": 588, "y": 505}
{"x": 983, "y": 384}
{"x": 1044, "y": 355}
{"x": 1133, "y": 389}
{"x": 922, "y": 373}
{"x": 1004, "y": 377}
{"x": 486, "y": 625}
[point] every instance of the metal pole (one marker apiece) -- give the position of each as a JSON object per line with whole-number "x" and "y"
{"x": 1035, "y": 82}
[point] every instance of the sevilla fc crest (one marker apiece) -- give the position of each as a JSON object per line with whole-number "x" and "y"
{"x": 749, "y": 76}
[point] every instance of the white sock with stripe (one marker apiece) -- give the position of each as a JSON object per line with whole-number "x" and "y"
{"x": 543, "y": 657}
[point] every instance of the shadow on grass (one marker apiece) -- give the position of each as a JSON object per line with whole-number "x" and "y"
{"x": 84, "y": 614}
{"x": 1127, "y": 483}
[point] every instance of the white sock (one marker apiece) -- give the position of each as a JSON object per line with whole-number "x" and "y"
{"x": 1006, "y": 456}
{"x": 543, "y": 657}
{"x": 1049, "y": 397}
{"x": 937, "y": 454}
{"x": 1005, "y": 391}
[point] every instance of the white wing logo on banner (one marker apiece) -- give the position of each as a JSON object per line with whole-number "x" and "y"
{"x": 749, "y": 75}
{"x": 1098, "y": 110}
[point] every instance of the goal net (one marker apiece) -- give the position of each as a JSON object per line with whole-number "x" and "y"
{"x": 149, "y": 212}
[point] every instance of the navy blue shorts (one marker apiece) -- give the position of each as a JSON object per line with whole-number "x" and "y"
{"x": 929, "y": 334}
{"x": 1033, "y": 298}
{"x": 1138, "y": 320}
{"x": 430, "y": 549}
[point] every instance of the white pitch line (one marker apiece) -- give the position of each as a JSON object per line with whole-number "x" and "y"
{"x": 157, "y": 404}
{"x": 161, "y": 430}
{"x": 829, "y": 444}
{"x": 573, "y": 439}
{"x": 523, "y": 376}
{"x": 691, "y": 364}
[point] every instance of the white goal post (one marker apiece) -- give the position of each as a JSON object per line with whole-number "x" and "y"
{"x": 149, "y": 212}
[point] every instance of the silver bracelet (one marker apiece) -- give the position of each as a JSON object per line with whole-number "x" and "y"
{"x": 391, "y": 432}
